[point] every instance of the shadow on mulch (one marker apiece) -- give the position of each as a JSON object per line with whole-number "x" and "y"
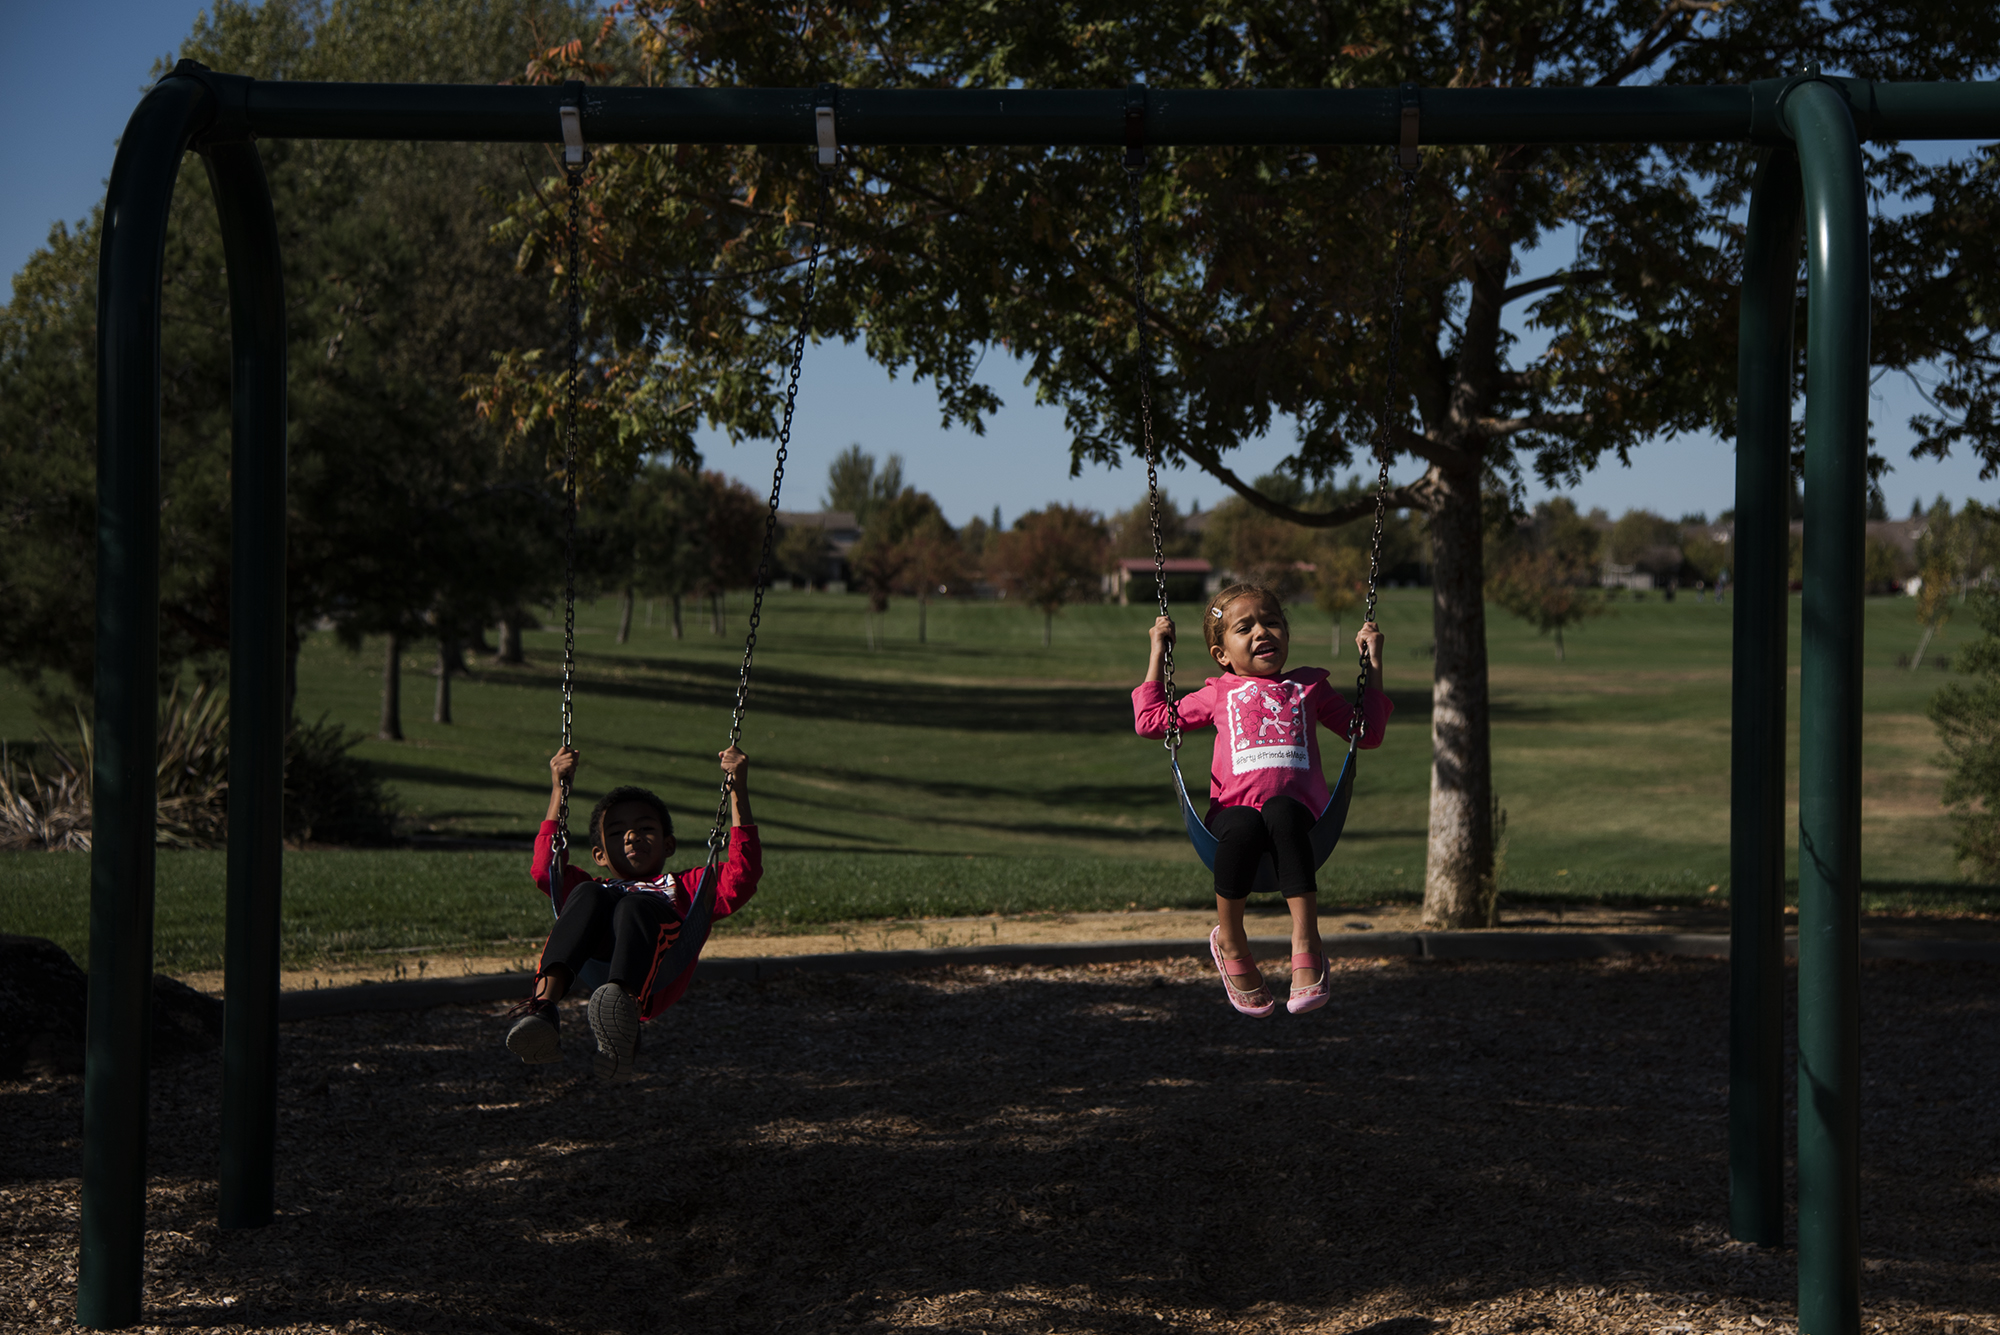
{"x": 1450, "y": 1147}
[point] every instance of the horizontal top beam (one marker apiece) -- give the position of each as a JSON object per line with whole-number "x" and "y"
{"x": 278, "y": 109}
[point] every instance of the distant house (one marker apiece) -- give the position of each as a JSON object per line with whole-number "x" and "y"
{"x": 841, "y": 531}
{"x": 1178, "y": 569}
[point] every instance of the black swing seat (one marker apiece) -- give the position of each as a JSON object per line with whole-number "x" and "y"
{"x": 1325, "y": 831}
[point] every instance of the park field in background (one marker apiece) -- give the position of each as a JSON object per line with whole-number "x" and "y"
{"x": 980, "y": 772}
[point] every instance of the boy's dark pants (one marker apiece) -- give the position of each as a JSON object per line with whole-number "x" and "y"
{"x": 631, "y": 928}
{"x": 1243, "y": 835}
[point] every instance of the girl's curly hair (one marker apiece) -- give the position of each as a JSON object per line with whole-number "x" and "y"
{"x": 1211, "y": 621}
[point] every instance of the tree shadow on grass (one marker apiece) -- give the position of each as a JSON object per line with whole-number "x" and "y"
{"x": 1100, "y": 1149}
{"x": 982, "y": 707}
{"x": 405, "y": 772}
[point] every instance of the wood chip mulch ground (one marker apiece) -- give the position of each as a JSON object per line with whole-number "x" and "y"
{"x": 1451, "y": 1147}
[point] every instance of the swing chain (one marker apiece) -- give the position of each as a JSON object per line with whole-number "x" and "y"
{"x": 1135, "y": 167}
{"x": 1384, "y": 448}
{"x": 573, "y": 173}
{"x": 718, "y": 841}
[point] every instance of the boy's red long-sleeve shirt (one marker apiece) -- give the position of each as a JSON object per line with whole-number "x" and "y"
{"x": 736, "y": 881}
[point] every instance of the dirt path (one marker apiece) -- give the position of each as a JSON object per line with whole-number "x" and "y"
{"x": 1449, "y": 1148}
{"x": 1169, "y": 925}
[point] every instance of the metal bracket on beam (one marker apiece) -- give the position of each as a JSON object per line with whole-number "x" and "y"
{"x": 1135, "y": 127}
{"x": 1767, "y": 104}
{"x": 826, "y": 129}
{"x": 1412, "y": 99}
{"x": 829, "y": 145}
{"x": 574, "y": 152}
{"x": 229, "y": 98}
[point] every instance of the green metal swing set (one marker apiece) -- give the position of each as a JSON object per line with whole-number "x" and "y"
{"x": 1809, "y": 192}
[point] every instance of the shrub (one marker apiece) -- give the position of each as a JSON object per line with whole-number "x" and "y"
{"x": 1968, "y": 722}
{"x": 331, "y": 796}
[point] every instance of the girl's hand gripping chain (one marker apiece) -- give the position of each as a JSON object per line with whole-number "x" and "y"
{"x": 1162, "y": 635}
{"x": 1369, "y": 641}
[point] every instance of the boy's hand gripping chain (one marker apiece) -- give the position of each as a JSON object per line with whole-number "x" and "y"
{"x": 1385, "y": 450}
{"x": 575, "y": 157}
{"x": 1135, "y": 169}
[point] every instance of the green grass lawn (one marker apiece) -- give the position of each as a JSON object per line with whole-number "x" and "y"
{"x": 979, "y": 771}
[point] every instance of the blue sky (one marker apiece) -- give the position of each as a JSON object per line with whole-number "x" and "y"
{"x": 69, "y": 113}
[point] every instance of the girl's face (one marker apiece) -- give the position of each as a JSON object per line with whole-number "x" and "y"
{"x": 1255, "y": 638}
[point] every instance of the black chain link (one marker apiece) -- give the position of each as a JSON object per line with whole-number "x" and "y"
{"x": 718, "y": 833}
{"x": 1385, "y": 449}
{"x": 559, "y": 851}
{"x": 1133, "y": 175}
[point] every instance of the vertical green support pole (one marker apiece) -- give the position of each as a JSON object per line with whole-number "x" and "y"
{"x": 257, "y": 703}
{"x": 1757, "y": 704}
{"x": 126, "y": 701}
{"x": 1830, "y": 709}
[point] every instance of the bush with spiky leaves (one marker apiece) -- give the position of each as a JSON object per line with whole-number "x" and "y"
{"x": 331, "y": 795}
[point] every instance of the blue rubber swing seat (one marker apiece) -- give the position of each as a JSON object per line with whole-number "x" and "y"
{"x": 1326, "y": 828}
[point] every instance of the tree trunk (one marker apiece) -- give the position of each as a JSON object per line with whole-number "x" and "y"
{"x": 293, "y": 643}
{"x": 625, "y": 616}
{"x": 1458, "y": 880}
{"x": 1048, "y": 626}
{"x": 923, "y": 615}
{"x": 715, "y": 613}
{"x": 447, "y": 656}
{"x": 392, "y": 692}
{"x": 510, "y": 641}
{"x": 679, "y": 632}
{"x": 1917, "y": 660}
{"x": 1561, "y": 657}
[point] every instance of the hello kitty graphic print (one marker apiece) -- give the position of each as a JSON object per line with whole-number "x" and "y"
{"x": 1267, "y": 726}
{"x": 1266, "y": 740}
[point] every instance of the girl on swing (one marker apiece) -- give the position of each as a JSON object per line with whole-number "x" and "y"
{"x": 1265, "y": 784}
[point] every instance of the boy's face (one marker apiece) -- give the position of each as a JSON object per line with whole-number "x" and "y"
{"x": 633, "y": 844}
{"x": 1255, "y": 638}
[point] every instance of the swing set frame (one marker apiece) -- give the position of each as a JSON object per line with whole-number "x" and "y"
{"x": 1809, "y": 188}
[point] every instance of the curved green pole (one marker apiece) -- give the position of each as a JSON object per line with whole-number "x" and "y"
{"x": 126, "y": 698}
{"x": 257, "y": 688}
{"x": 1830, "y": 709}
{"x": 1757, "y": 703}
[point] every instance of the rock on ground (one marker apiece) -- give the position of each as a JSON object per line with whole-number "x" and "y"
{"x": 43, "y": 1003}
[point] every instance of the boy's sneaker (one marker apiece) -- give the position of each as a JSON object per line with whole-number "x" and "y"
{"x": 614, "y": 1023}
{"x": 536, "y": 1037}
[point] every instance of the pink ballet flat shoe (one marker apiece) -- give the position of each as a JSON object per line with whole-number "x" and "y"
{"x": 1309, "y": 998}
{"x": 1254, "y": 1002}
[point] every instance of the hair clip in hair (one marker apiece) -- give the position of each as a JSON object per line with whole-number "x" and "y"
{"x": 1215, "y": 612}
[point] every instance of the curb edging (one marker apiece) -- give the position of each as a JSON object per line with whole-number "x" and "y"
{"x": 1519, "y": 947}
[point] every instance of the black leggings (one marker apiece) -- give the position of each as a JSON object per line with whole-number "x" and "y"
{"x": 631, "y": 928}
{"x": 1244, "y": 835}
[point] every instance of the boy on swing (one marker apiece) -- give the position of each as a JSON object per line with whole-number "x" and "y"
{"x": 629, "y": 921}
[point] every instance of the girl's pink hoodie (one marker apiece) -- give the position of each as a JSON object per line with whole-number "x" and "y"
{"x": 1265, "y": 740}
